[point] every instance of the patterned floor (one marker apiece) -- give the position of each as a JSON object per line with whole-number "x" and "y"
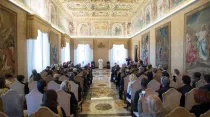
{"x": 102, "y": 99}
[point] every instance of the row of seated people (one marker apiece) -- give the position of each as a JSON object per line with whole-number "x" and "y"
{"x": 183, "y": 85}
{"x": 65, "y": 72}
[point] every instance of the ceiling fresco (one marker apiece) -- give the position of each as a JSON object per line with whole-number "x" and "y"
{"x": 121, "y": 18}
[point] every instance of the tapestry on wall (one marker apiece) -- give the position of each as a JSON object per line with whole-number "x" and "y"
{"x": 54, "y": 41}
{"x": 197, "y": 39}
{"x": 8, "y": 28}
{"x": 145, "y": 48}
{"x": 163, "y": 37}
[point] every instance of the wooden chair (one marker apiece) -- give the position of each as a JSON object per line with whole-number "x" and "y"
{"x": 3, "y": 114}
{"x": 135, "y": 87}
{"x": 180, "y": 112}
{"x": 80, "y": 80}
{"x": 189, "y": 99}
{"x": 154, "y": 84}
{"x": 64, "y": 101}
{"x": 32, "y": 86}
{"x": 53, "y": 85}
{"x": 33, "y": 101}
{"x": 12, "y": 103}
{"x": 171, "y": 98}
{"x": 44, "y": 112}
{"x": 62, "y": 78}
{"x": 200, "y": 83}
{"x": 17, "y": 86}
{"x": 48, "y": 78}
{"x": 74, "y": 89}
{"x": 206, "y": 114}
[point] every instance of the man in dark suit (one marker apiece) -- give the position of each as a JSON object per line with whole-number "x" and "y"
{"x": 165, "y": 81}
{"x": 164, "y": 72}
{"x": 186, "y": 88}
{"x": 207, "y": 79}
{"x": 196, "y": 77}
{"x": 141, "y": 72}
{"x": 144, "y": 83}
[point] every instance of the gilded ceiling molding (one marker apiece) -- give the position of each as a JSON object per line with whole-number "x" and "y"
{"x": 35, "y": 23}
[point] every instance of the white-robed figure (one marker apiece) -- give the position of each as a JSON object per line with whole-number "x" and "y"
{"x": 100, "y": 63}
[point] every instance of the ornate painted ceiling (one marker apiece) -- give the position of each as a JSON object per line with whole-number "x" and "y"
{"x": 95, "y": 18}
{"x": 102, "y": 9}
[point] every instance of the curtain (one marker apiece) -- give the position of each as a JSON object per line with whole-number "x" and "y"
{"x": 65, "y": 53}
{"x": 83, "y": 54}
{"x": 118, "y": 54}
{"x": 38, "y": 53}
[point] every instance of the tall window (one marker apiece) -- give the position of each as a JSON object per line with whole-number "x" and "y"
{"x": 65, "y": 53}
{"x": 38, "y": 53}
{"x": 118, "y": 54}
{"x": 83, "y": 54}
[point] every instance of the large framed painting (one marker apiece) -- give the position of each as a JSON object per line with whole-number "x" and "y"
{"x": 54, "y": 51}
{"x": 163, "y": 45}
{"x": 8, "y": 36}
{"x": 145, "y": 45}
{"x": 197, "y": 40}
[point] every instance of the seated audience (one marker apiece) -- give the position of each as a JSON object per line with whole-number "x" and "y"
{"x": 143, "y": 84}
{"x": 151, "y": 74}
{"x": 66, "y": 86}
{"x": 37, "y": 77}
{"x": 141, "y": 72}
{"x": 42, "y": 86}
{"x": 9, "y": 79}
{"x": 196, "y": 77}
{"x": 21, "y": 78}
{"x": 207, "y": 79}
{"x": 56, "y": 78}
{"x": 176, "y": 74}
{"x": 3, "y": 88}
{"x": 49, "y": 100}
{"x": 165, "y": 82}
{"x": 164, "y": 72}
{"x": 184, "y": 89}
{"x": 156, "y": 108}
{"x": 31, "y": 79}
{"x": 132, "y": 79}
{"x": 202, "y": 97}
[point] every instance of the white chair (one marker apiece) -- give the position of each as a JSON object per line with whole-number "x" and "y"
{"x": 64, "y": 101}
{"x": 12, "y": 103}
{"x": 180, "y": 112}
{"x": 33, "y": 101}
{"x": 200, "y": 83}
{"x": 63, "y": 78}
{"x": 171, "y": 98}
{"x": 189, "y": 99}
{"x": 17, "y": 86}
{"x": 154, "y": 84}
{"x": 3, "y": 114}
{"x": 53, "y": 85}
{"x": 80, "y": 80}
{"x": 150, "y": 91}
{"x": 44, "y": 112}
{"x": 74, "y": 89}
{"x": 32, "y": 86}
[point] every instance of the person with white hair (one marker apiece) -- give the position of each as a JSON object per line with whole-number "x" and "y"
{"x": 56, "y": 78}
{"x": 66, "y": 86}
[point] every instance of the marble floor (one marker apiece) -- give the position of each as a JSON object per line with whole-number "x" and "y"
{"x": 102, "y": 99}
